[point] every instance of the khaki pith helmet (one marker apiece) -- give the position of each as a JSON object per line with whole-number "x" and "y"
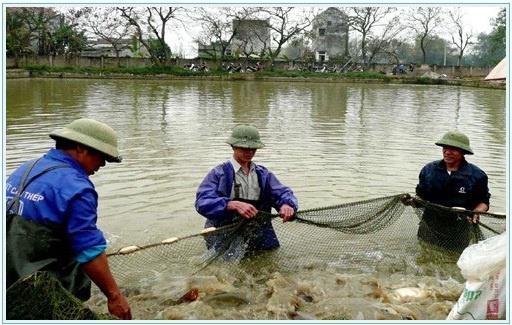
{"x": 245, "y": 136}
{"x": 93, "y": 134}
{"x": 456, "y": 139}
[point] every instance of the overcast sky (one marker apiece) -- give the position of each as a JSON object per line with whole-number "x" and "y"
{"x": 476, "y": 16}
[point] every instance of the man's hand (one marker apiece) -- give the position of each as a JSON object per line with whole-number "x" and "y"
{"x": 474, "y": 218}
{"x": 481, "y": 207}
{"x": 246, "y": 210}
{"x": 119, "y": 307}
{"x": 98, "y": 270}
{"x": 286, "y": 212}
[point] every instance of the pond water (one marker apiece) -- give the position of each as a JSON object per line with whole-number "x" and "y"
{"x": 332, "y": 143}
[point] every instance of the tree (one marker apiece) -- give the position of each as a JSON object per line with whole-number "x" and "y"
{"x": 498, "y": 36}
{"x": 398, "y": 51}
{"x": 43, "y": 31}
{"x": 218, "y": 28}
{"x": 285, "y": 24}
{"x": 154, "y": 20}
{"x": 483, "y": 53}
{"x": 107, "y": 25}
{"x": 67, "y": 39}
{"x": 424, "y": 21}
{"x": 40, "y": 22}
{"x": 252, "y": 37}
{"x": 489, "y": 49}
{"x": 17, "y": 34}
{"x": 461, "y": 38}
{"x": 386, "y": 41}
{"x": 436, "y": 51}
{"x": 297, "y": 48}
{"x": 364, "y": 20}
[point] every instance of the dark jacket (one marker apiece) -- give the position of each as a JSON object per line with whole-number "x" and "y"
{"x": 466, "y": 188}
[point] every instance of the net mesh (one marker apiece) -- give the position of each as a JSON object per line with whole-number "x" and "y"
{"x": 41, "y": 296}
{"x": 357, "y": 236}
{"x": 377, "y": 235}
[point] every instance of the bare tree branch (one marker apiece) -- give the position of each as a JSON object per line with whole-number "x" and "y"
{"x": 285, "y": 23}
{"x": 154, "y": 39}
{"x": 463, "y": 37}
{"x": 364, "y": 20}
{"x": 424, "y": 21}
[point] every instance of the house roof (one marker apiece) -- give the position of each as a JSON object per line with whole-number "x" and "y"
{"x": 498, "y": 72}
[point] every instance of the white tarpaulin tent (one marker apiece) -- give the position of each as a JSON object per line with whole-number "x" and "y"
{"x": 498, "y": 72}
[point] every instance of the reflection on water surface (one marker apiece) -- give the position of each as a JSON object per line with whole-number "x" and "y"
{"x": 332, "y": 143}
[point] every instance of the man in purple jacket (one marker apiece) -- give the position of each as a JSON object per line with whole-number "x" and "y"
{"x": 238, "y": 188}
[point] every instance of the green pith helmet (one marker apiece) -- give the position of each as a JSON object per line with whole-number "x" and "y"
{"x": 456, "y": 139}
{"x": 93, "y": 134}
{"x": 245, "y": 136}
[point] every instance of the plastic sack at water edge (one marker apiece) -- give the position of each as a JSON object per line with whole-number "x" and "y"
{"x": 483, "y": 259}
{"x": 484, "y": 267}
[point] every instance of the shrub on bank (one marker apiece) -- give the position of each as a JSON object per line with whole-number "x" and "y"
{"x": 176, "y": 71}
{"x": 220, "y": 74}
{"x": 179, "y": 71}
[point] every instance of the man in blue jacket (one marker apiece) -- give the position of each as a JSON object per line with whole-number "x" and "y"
{"x": 239, "y": 188}
{"x": 52, "y": 213}
{"x": 452, "y": 182}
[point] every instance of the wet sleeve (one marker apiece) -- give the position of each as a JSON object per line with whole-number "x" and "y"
{"x": 210, "y": 201}
{"x": 82, "y": 231}
{"x": 421, "y": 188}
{"x": 90, "y": 253}
{"x": 281, "y": 194}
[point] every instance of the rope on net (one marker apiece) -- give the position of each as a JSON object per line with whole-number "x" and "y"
{"x": 376, "y": 232}
{"x": 363, "y": 226}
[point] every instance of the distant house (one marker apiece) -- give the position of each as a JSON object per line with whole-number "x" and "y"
{"x": 252, "y": 37}
{"x": 129, "y": 48}
{"x": 212, "y": 50}
{"x": 330, "y": 34}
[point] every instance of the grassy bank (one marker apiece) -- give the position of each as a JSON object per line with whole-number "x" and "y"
{"x": 182, "y": 72}
{"x": 271, "y": 75}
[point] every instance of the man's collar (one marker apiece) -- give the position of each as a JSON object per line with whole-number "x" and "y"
{"x": 237, "y": 166}
{"x": 61, "y": 155}
{"x": 441, "y": 164}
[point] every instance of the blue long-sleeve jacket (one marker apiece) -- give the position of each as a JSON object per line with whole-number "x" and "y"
{"x": 63, "y": 197}
{"x": 466, "y": 187}
{"x": 214, "y": 193}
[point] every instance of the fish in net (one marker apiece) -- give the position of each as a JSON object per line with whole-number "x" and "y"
{"x": 358, "y": 236}
{"x": 370, "y": 236}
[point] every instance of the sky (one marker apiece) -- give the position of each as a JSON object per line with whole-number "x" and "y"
{"x": 476, "y": 16}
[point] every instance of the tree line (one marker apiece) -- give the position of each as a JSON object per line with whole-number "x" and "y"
{"x": 429, "y": 35}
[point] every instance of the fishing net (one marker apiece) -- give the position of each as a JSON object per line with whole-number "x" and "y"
{"x": 377, "y": 235}
{"x": 41, "y": 296}
{"x": 372, "y": 235}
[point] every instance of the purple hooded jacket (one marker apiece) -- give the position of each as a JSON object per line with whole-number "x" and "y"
{"x": 214, "y": 193}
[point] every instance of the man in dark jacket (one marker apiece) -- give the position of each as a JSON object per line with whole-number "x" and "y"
{"x": 52, "y": 213}
{"x": 239, "y": 188}
{"x": 452, "y": 182}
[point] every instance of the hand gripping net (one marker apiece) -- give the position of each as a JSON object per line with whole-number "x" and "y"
{"x": 377, "y": 235}
{"x": 363, "y": 236}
